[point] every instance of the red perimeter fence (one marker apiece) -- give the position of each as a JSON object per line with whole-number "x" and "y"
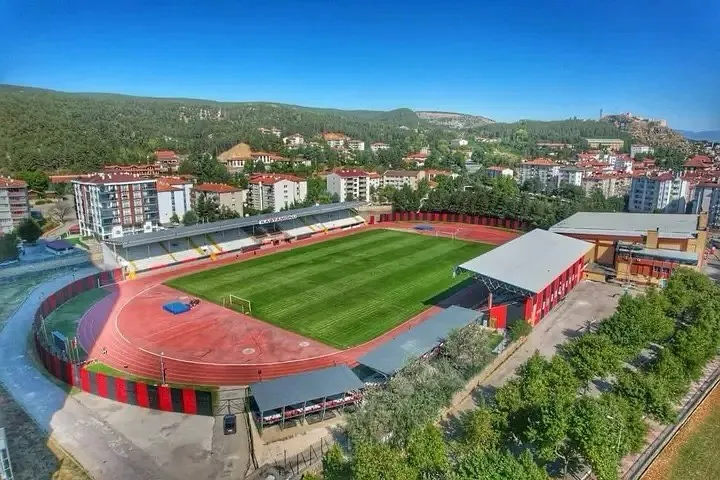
{"x": 159, "y": 397}
{"x": 455, "y": 218}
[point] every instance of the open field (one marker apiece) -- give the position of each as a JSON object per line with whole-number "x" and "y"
{"x": 66, "y": 318}
{"x": 692, "y": 453}
{"x": 342, "y": 292}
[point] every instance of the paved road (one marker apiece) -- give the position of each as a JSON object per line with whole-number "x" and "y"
{"x": 112, "y": 440}
{"x": 588, "y": 302}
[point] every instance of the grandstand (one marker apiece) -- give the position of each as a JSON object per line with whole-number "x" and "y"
{"x": 147, "y": 251}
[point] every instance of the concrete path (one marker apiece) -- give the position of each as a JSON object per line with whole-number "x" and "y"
{"x": 111, "y": 440}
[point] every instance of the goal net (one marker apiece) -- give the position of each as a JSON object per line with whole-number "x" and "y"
{"x": 445, "y": 234}
{"x": 237, "y": 303}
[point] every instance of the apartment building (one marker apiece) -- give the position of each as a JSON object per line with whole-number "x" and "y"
{"x": 142, "y": 170}
{"x": 271, "y": 131}
{"x": 706, "y": 198}
{"x": 295, "y": 140}
{"x": 640, "y": 149}
{"x": 543, "y": 169}
{"x": 400, "y": 178}
{"x": 496, "y": 171}
{"x": 698, "y": 163}
{"x": 416, "y": 159}
{"x": 276, "y": 191}
{"x": 613, "y": 144}
{"x": 570, "y": 176}
{"x": 14, "y": 206}
{"x": 336, "y": 139}
{"x": 610, "y": 185}
{"x": 222, "y": 194}
{"x": 665, "y": 192}
{"x": 356, "y": 145}
{"x": 377, "y": 146}
{"x": 167, "y": 160}
{"x": 112, "y": 205}
{"x": 174, "y": 197}
{"x": 352, "y": 184}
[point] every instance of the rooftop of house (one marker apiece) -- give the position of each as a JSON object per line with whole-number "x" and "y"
{"x": 402, "y": 173}
{"x": 698, "y": 161}
{"x": 334, "y": 136}
{"x": 350, "y": 172}
{"x": 111, "y": 178}
{"x": 272, "y": 178}
{"x": 543, "y": 162}
{"x": 165, "y": 154}
{"x": 416, "y": 156}
{"x": 241, "y": 151}
{"x": 7, "y": 182}
{"x": 215, "y": 188}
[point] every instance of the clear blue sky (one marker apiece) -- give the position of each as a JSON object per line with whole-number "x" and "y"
{"x": 507, "y": 59}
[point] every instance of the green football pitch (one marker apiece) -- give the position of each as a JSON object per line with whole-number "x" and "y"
{"x": 344, "y": 291}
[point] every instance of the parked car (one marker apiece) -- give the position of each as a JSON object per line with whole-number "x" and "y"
{"x": 229, "y": 424}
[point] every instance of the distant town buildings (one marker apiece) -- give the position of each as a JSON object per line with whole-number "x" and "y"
{"x": 241, "y": 155}
{"x": 569, "y": 175}
{"x": 356, "y": 145}
{"x": 113, "y": 205}
{"x": 377, "y": 146}
{"x": 271, "y": 131}
{"x": 416, "y": 159}
{"x": 640, "y": 149}
{"x": 664, "y": 192}
{"x": 458, "y": 142}
{"x": 495, "y": 172}
{"x": 544, "y": 169}
{"x": 611, "y": 185}
{"x": 295, "y": 140}
{"x": 399, "y": 178}
{"x": 276, "y": 191}
{"x": 223, "y": 195}
{"x": 167, "y": 160}
{"x": 698, "y": 163}
{"x": 14, "y": 206}
{"x": 335, "y": 139}
{"x": 613, "y": 144}
{"x": 554, "y": 146}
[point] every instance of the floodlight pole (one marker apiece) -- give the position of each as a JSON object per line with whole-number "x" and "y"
{"x": 162, "y": 367}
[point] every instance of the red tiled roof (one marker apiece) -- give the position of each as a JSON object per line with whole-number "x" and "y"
{"x": 350, "y": 172}
{"x": 6, "y": 182}
{"x": 374, "y": 175}
{"x": 698, "y": 161}
{"x": 416, "y": 156}
{"x": 546, "y": 162}
{"x": 402, "y": 173}
{"x": 215, "y": 188}
{"x": 102, "y": 178}
{"x": 174, "y": 180}
{"x": 334, "y": 136}
{"x": 269, "y": 179}
{"x": 165, "y": 154}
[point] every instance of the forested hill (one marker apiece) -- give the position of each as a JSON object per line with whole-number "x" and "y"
{"x": 54, "y": 131}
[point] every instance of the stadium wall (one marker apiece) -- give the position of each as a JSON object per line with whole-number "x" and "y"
{"x": 447, "y": 217}
{"x": 148, "y": 395}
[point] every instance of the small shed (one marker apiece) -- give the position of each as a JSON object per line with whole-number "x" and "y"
{"x": 59, "y": 247}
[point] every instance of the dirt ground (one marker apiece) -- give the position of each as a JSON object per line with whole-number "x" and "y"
{"x": 32, "y": 454}
{"x": 691, "y": 455}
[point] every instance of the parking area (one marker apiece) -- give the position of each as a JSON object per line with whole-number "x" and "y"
{"x": 587, "y": 304}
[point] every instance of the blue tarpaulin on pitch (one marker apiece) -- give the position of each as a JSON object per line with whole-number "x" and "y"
{"x": 424, "y": 227}
{"x": 176, "y": 307}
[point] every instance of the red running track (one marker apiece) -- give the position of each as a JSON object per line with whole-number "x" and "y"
{"x": 212, "y": 345}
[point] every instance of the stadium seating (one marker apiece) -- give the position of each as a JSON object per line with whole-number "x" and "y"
{"x": 233, "y": 240}
{"x": 146, "y": 257}
{"x": 182, "y": 251}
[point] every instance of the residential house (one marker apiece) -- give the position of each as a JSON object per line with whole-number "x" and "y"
{"x": 544, "y": 169}
{"x": 335, "y": 139}
{"x": 351, "y": 184}
{"x": 14, "y": 204}
{"x": 143, "y": 170}
{"x": 458, "y": 142}
{"x": 611, "y": 185}
{"x": 294, "y": 140}
{"x": 356, "y": 145}
{"x": 222, "y": 194}
{"x": 174, "y": 197}
{"x": 377, "y": 146}
{"x": 399, "y": 178}
{"x": 497, "y": 171}
{"x": 640, "y": 149}
{"x": 613, "y": 144}
{"x": 665, "y": 192}
{"x": 276, "y": 191}
{"x": 698, "y": 163}
{"x": 271, "y": 131}
{"x": 416, "y": 159}
{"x": 569, "y": 175}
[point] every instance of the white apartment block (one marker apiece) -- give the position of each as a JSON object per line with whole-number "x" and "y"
{"x": 220, "y": 193}
{"x": 496, "y": 172}
{"x": 357, "y": 145}
{"x": 570, "y": 176}
{"x": 400, "y": 178}
{"x": 109, "y": 205}
{"x": 458, "y": 142}
{"x": 662, "y": 192}
{"x": 609, "y": 185}
{"x": 635, "y": 149}
{"x": 294, "y": 140}
{"x": 609, "y": 143}
{"x": 707, "y": 199}
{"x": 541, "y": 168}
{"x": 174, "y": 198}
{"x": 351, "y": 184}
{"x": 14, "y": 206}
{"x": 377, "y": 146}
{"x": 276, "y": 191}
{"x": 336, "y": 140}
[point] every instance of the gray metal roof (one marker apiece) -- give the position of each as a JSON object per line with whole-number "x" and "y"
{"x": 685, "y": 257}
{"x": 391, "y": 356}
{"x": 628, "y": 224}
{"x": 530, "y": 262}
{"x": 202, "y": 228}
{"x": 303, "y": 387}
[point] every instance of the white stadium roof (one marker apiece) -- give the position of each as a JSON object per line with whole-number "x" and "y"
{"x": 628, "y": 224}
{"x": 530, "y": 262}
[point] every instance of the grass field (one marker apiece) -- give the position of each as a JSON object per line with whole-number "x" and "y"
{"x": 342, "y": 292}
{"x": 66, "y": 318}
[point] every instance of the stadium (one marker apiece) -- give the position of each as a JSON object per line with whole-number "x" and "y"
{"x": 307, "y": 305}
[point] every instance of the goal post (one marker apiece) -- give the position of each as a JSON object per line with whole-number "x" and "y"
{"x": 237, "y": 303}
{"x": 445, "y": 234}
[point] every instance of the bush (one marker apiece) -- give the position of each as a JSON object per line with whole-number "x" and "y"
{"x": 29, "y": 230}
{"x": 8, "y": 247}
{"x": 519, "y": 329}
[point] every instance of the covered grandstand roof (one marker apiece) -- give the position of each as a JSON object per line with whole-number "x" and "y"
{"x": 303, "y": 387}
{"x": 203, "y": 228}
{"x": 628, "y": 224}
{"x": 391, "y": 356}
{"x": 529, "y": 262}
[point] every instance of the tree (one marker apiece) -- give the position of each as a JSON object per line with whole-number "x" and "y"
{"x": 36, "y": 180}
{"x": 60, "y": 210}
{"x": 468, "y": 350}
{"x": 60, "y": 189}
{"x": 335, "y": 467}
{"x": 519, "y": 329}
{"x": 496, "y": 465}
{"x": 206, "y": 209}
{"x": 592, "y": 355}
{"x": 174, "y": 219}
{"x": 8, "y": 247}
{"x": 427, "y": 452}
{"x": 226, "y": 213}
{"x": 190, "y": 218}
{"x": 29, "y": 230}
{"x": 479, "y": 428}
{"x": 379, "y": 461}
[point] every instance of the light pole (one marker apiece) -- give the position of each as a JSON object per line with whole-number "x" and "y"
{"x": 162, "y": 367}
